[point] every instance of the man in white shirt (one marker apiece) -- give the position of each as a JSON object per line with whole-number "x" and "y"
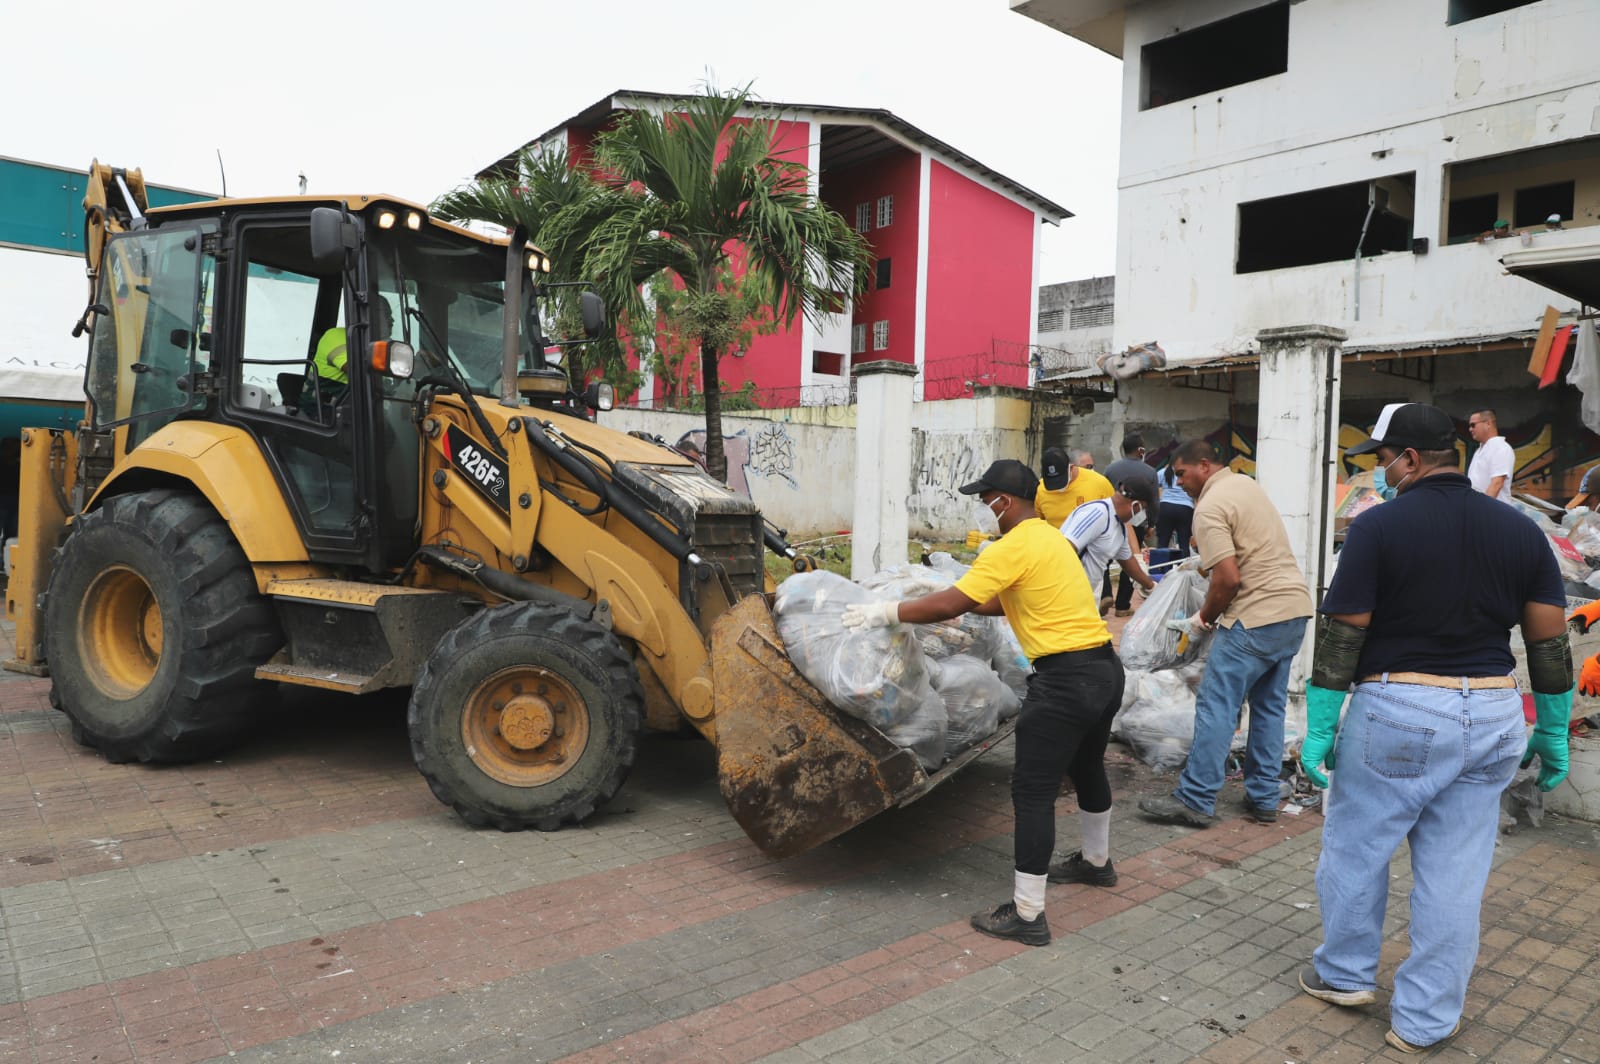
{"x": 1098, "y": 531}
{"x": 1494, "y": 462}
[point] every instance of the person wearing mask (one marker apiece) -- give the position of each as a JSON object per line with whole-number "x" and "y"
{"x": 1258, "y": 603}
{"x": 1032, "y": 577}
{"x": 1175, "y": 526}
{"x": 1494, "y": 463}
{"x": 1098, "y": 531}
{"x": 1067, "y": 484}
{"x": 1419, "y": 623}
{"x": 1130, "y": 467}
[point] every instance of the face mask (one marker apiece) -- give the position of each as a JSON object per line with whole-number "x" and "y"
{"x": 1137, "y": 520}
{"x": 986, "y": 517}
{"x": 1380, "y": 484}
{"x": 1401, "y": 481}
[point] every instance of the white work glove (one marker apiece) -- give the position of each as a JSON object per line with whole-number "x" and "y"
{"x": 1191, "y": 625}
{"x": 870, "y": 615}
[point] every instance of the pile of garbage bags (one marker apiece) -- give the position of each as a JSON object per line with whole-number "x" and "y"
{"x": 934, "y": 689}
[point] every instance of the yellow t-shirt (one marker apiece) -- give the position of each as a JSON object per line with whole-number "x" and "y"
{"x": 1055, "y": 506}
{"x": 1042, "y": 588}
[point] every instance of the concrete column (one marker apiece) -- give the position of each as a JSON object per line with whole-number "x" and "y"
{"x": 1297, "y": 447}
{"x": 883, "y": 465}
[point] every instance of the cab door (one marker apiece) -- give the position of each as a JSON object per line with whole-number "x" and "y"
{"x": 280, "y": 308}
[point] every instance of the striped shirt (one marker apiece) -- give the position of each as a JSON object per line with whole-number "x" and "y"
{"x": 1097, "y": 536}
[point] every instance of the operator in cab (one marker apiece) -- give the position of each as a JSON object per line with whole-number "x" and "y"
{"x": 1032, "y": 577}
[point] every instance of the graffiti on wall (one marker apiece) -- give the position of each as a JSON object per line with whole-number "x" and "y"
{"x": 947, "y": 462}
{"x": 772, "y": 454}
{"x": 769, "y": 455}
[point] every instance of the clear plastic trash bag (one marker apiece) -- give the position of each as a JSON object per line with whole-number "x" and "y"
{"x": 975, "y": 700}
{"x": 1157, "y": 717}
{"x": 1147, "y": 643}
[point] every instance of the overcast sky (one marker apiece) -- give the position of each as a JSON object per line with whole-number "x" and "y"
{"x": 411, "y": 98}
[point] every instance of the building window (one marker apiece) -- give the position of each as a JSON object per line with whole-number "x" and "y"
{"x": 1523, "y": 188}
{"x": 1215, "y": 56}
{"x": 885, "y": 210}
{"x": 1052, "y": 320}
{"x": 863, "y": 217}
{"x": 1533, "y": 205}
{"x": 827, "y": 363}
{"x": 1325, "y": 224}
{"x": 883, "y": 273}
{"x": 1467, "y": 10}
{"x": 1471, "y": 216}
{"x": 1091, "y": 316}
{"x": 858, "y": 339}
{"x": 880, "y": 336}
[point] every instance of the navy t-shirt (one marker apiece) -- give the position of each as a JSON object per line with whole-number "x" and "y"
{"x": 1445, "y": 572}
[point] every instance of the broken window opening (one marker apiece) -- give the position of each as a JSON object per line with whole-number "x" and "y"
{"x": 1534, "y": 206}
{"x": 1245, "y": 47}
{"x": 883, "y": 273}
{"x": 1525, "y": 188}
{"x": 1470, "y": 217}
{"x": 1467, "y": 10}
{"x": 827, "y": 363}
{"x": 1324, "y": 225}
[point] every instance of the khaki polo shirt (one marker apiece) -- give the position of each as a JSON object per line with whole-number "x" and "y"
{"x": 1233, "y": 518}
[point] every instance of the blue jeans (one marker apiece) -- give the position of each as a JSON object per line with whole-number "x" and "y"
{"x": 1243, "y": 663}
{"x": 1423, "y": 764}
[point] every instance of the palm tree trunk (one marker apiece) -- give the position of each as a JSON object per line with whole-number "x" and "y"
{"x": 711, "y": 386}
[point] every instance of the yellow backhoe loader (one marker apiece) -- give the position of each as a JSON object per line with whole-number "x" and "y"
{"x": 323, "y": 445}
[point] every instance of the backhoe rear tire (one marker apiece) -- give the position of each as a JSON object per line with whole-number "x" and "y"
{"x": 525, "y": 716}
{"x": 154, "y": 629}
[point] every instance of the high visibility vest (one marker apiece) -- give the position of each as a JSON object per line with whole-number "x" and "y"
{"x": 331, "y": 357}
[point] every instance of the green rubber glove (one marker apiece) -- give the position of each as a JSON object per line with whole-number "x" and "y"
{"x": 1322, "y": 725}
{"x": 1553, "y": 717}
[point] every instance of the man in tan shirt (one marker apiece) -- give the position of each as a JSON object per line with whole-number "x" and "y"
{"x": 1258, "y": 604}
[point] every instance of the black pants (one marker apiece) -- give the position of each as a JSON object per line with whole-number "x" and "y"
{"x": 1175, "y": 522}
{"x": 1065, "y": 722}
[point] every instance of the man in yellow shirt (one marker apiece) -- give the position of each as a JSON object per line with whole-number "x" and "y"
{"x": 1068, "y": 485}
{"x": 1032, "y": 576}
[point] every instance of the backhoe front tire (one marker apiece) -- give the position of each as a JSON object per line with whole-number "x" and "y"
{"x": 154, "y": 630}
{"x": 525, "y": 716}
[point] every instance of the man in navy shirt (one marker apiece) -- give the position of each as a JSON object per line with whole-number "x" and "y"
{"x": 1418, "y": 617}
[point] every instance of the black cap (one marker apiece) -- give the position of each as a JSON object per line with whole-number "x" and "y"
{"x": 1402, "y": 425}
{"x": 1056, "y": 466}
{"x": 1007, "y": 475}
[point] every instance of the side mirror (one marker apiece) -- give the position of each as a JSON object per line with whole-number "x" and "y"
{"x": 593, "y": 310}
{"x": 599, "y": 395}
{"x": 331, "y": 235}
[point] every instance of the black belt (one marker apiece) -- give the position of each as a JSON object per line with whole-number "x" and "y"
{"x": 1102, "y": 650}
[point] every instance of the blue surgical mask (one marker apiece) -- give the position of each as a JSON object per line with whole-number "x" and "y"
{"x": 1380, "y": 484}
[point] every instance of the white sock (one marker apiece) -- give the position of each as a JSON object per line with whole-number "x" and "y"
{"x": 1028, "y": 893}
{"x": 1096, "y": 828}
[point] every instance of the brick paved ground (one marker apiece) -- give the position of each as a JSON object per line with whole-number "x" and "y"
{"x": 305, "y": 899}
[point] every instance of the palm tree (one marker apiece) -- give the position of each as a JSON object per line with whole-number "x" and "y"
{"x": 559, "y": 205}
{"x": 700, "y": 194}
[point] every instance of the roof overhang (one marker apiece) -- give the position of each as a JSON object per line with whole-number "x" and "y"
{"x": 1095, "y": 22}
{"x": 1567, "y": 262}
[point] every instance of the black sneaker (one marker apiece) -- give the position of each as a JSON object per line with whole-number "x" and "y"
{"x": 1077, "y": 870}
{"x": 1407, "y": 1047}
{"x": 1004, "y": 922}
{"x": 1260, "y": 815}
{"x": 1312, "y": 984}
{"x": 1170, "y": 810}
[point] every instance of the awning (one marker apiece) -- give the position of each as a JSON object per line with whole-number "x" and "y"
{"x": 1567, "y": 262}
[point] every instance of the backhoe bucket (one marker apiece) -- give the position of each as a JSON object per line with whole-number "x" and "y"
{"x": 794, "y": 771}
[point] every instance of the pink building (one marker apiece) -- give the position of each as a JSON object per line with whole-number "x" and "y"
{"x": 955, "y": 289}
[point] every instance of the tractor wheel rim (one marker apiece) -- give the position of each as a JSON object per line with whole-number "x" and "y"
{"x": 525, "y": 726}
{"x": 120, "y": 632}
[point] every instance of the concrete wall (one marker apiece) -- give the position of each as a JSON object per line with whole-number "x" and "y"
{"x": 798, "y": 464}
{"x": 1070, "y": 346}
{"x": 1373, "y": 89}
